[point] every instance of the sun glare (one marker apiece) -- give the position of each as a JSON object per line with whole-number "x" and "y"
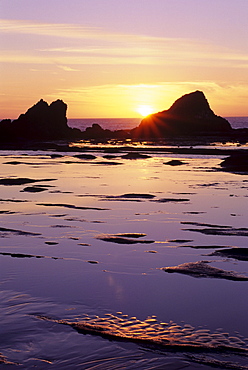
{"x": 144, "y": 110}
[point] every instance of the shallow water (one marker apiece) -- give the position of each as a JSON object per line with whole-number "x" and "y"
{"x": 94, "y": 241}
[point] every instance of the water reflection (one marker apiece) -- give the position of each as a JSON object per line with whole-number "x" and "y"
{"x": 95, "y": 242}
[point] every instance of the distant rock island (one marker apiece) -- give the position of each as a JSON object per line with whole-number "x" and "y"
{"x": 189, "y": 116}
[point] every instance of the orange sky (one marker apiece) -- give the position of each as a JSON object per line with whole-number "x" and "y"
{"x": 107, "y": 58}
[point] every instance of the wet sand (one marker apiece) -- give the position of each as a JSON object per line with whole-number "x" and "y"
{"x": 88, "y": 246}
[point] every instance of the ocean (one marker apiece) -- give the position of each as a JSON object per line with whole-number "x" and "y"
{"x": 129, "y": 123}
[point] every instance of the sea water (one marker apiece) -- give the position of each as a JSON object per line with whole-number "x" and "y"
{"x": 130, "y": 123}
{"x": 105, "y": 123}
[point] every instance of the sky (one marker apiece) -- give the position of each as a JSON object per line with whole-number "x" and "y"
{"x": 108, "y": 58}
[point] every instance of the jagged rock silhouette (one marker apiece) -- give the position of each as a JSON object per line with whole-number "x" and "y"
{"x": 188, "y": 115}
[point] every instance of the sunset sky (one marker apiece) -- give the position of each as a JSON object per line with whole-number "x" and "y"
{"x": 106, "y": 58}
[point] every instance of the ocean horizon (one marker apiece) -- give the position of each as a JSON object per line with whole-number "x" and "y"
{"x": 130, "y": 123}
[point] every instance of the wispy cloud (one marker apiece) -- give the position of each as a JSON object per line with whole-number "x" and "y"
{"x": 66, "y": 30}
{"x": 47, "y": 29}
{"x": 68, "y": 69}
{"x": 91, "y": 45}
{"x": 123, "y": 99}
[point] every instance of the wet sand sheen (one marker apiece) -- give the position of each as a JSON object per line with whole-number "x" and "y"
{"x": 105, "y": 262}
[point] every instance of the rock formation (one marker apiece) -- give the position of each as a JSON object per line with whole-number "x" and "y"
{"x": 190, "y": 115}
{"x": 97, "y": 132}
{"x": 237, "y": 163}
{"x": 40, "y": 122}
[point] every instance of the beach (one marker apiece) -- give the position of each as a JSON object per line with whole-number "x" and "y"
{"x": 113, "y": 261}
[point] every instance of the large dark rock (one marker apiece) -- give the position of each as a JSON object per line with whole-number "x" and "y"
{"x": 41, "y": 121}
{"x": 237, "y": 162}
{"x": 189, "y": 115}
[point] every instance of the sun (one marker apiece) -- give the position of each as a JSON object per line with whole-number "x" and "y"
{"x": 144, "y": 110}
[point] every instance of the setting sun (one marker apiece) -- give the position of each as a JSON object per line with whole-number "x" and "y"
{"x": 145, "y": 110}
